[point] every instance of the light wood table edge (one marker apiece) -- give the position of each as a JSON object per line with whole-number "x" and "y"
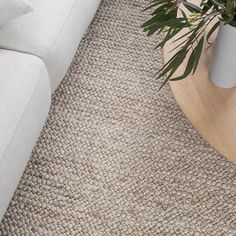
{"x": 210, "y": 109}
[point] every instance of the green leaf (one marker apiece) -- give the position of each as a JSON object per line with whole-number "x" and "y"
{"x": 180, "y": 44}
{"x": 151, "y": 6}
{"x": 184, "y": 35}
{"x": 188, "y": 69}
{"x": 155, "y": 18}
{"x": 170, "y": 34}
{"x": 229, "y": 20}
{"x": 193, "y": 32}
{"x": 198, "y": 52}
{"x": 175, "y": 62}
{"x": 229, "y": 7}
{"x": 217, "y": 3}
{"x": 167, "y": 5}
{"x": 184, "y": 15}
{"x": 164, "y": 19}
{"x": 212, "y": 30}
{"x": 173, "y": 23}
{"x": 155, "y": 3}
{"x": 191, "y": 7}
{"x": 206, "y": 7}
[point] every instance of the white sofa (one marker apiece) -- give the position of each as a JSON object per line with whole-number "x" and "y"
{"x": 35, "y": 52}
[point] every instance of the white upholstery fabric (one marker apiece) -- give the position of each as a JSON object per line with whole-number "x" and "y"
{"x": 52, "y": 32}
{"x": 10, "y": 9}
{"x": 24, "y": 104}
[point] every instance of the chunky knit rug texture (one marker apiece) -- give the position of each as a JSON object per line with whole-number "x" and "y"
{"x": 117, "y": 157}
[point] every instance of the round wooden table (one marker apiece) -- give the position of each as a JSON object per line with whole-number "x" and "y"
{"x": 210, "y": 109}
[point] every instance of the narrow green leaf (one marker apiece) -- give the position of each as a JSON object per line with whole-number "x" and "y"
{"x": 154, "y": 4}
{"x": 188, "y": 69}
{"x": 184, "y": 15}
{"x": 198, "y": 52}
{"x": 229, "y": 6}
{"x": 171, "y": 33}
{"x": 217, "y": 3}
{"x": 191, "y": 7}
{"x": 212, "y": 30}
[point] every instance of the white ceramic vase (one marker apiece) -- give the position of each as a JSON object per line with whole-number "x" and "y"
{"x": 223, "y": 71}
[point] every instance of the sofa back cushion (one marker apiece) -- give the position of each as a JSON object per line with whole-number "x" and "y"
{"x": 10, "y": 9}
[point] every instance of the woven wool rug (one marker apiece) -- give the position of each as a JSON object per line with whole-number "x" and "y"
{"x": 117, "y": 157}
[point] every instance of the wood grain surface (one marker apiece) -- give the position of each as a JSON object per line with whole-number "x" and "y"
{"x": 210, "y": 109}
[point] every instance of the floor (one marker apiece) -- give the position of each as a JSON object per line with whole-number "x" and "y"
{"x": 117, "y": 157}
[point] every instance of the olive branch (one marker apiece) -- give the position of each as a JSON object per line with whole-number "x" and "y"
{"x": 169, "y": 17}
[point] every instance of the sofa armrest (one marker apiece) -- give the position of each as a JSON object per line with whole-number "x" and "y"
{"x": 24, "y": 105}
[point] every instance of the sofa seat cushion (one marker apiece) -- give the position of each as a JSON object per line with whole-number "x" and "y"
{"x": 24, "y": 104}
{"x": 52, "y": 32}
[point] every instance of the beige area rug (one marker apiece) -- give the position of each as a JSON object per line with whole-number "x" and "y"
{"x": 116, "y": 157}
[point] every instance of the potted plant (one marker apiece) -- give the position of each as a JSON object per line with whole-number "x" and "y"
{"x": 201, "y": 21}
